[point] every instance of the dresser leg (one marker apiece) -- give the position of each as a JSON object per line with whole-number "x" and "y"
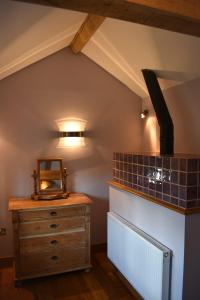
{"x": 88, "y": 270}
{"x": 18, "y": 283}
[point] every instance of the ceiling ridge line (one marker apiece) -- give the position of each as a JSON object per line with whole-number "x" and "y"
{"x": 129, "y": 73}
{"x": 134, "y": 75}
{"x": 120, "y": 75}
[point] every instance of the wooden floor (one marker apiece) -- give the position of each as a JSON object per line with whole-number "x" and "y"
{"x": 101, "y": 283}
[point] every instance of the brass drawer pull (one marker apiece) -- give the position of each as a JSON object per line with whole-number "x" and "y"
{"x": 54, "y": 225}
{"x": 53, "y": 213}
{"x": 54, "y": 257}
{"x": 54, "y": 242}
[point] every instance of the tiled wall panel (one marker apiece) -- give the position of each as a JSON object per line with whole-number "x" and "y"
{"x": 175, "y": 180}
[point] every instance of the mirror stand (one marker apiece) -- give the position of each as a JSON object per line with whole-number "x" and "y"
{"x": 50, "y": 180}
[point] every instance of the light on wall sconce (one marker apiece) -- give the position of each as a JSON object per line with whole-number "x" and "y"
{"x": 144, "y": 113}
{"x": 71, "y": 132}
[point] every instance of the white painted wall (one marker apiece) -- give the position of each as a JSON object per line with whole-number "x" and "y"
{"x": 163, "y": 224}
{"x": 192, "y": 258}
{"x": 184, "y": 106}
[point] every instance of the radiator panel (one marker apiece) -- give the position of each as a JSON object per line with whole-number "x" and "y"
{"x": 144, "y": 262}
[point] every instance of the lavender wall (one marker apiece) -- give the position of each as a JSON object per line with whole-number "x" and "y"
{"x": 64, "y": 85}
{"x": 184, "y": 106}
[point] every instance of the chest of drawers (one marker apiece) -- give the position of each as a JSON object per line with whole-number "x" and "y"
{"x": 50, "y": 237}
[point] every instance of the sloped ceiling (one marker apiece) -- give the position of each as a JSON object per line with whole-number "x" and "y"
{"x": 31, "y": 32}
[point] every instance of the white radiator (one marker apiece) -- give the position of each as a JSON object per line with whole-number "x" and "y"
{"x": 143, "y": 261}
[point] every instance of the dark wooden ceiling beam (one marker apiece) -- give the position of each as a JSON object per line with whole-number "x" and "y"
{"x": 175, "y": 15}
{"x": 86, "y": 31}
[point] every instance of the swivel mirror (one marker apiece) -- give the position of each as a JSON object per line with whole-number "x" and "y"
{"x": 49, "y": 180}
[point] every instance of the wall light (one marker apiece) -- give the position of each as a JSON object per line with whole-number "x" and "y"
{"x": 144, "y": 113}
{"x": 71, "y": 132}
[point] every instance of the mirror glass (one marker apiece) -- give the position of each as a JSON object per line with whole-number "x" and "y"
{"x": 50, "y": 175}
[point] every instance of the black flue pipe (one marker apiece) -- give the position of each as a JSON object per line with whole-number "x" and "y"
{"x": 162, "y": 113}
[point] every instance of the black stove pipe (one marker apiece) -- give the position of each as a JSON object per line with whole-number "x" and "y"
{"x": 162, "y": 113}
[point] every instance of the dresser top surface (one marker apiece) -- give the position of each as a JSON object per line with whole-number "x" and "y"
{"x": 27, "y": 203}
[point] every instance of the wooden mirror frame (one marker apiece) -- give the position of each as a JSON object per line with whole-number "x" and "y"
{"x": 57, "y": 193}
{"x": 51, "y": 177}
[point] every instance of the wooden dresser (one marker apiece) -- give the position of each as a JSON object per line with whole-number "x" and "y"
{"x": 51, "y": 236}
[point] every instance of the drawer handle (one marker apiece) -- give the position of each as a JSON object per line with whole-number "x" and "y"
{"x": 53, "y": 213}
{"x": 54, "y": 242}
{"x": 54, "y": 225}
{"x": 54, "y": 257}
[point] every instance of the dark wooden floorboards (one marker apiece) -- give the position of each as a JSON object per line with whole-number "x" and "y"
{"x": 101, "y": 283}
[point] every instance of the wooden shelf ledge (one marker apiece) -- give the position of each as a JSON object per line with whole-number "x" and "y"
{"x": 183, "y": 211}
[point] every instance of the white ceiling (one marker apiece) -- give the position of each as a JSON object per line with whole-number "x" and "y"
{"x": 31, "y": 32}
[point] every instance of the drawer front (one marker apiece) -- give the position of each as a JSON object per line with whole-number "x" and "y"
{"x": 51, "y": 213}
{"x": 54, "y": 261}
{"x": 52, "y": 243}
{"x": 51, "y": 226}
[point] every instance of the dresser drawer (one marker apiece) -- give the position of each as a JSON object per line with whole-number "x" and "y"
{"x": 51, "y": 226}
{"x": 53, "y": 261}
{"x": 34, "y": 215}
{"x": 54, "y": 242}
